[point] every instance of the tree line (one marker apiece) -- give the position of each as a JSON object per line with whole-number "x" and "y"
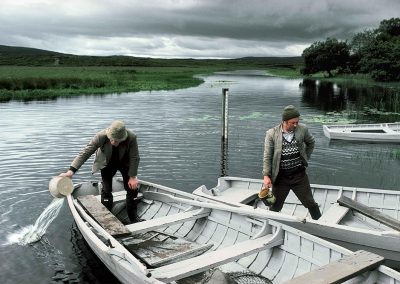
{"x": 375, "y": 52}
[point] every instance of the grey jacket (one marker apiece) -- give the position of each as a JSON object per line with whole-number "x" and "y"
{"x": 101, "y": 145}
{"x": 273, "y": 148}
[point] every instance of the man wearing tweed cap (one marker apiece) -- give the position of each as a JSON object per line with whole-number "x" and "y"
{"x": 116, "y": 149}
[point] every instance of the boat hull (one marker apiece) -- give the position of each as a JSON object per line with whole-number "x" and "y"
{"x": 385, "y": 132}
{"x": 340, "y": 225}
{"x": 209, "y": 237}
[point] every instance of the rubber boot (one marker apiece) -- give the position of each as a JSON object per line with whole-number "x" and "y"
{"x": 107, "y": 201}
{"x": 314, "y": 212}
{"x": 131, "y": 208}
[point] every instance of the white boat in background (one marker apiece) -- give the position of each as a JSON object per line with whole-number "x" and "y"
{"x": 356, "y": 218}
{"x": 380, "y": 132}
{"x": 184, "y": 237}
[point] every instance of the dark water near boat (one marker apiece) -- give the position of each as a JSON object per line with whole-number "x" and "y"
{"x": 179, "y": 134}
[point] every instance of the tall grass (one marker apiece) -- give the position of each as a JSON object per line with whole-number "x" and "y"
{"x": 396, "y": 154}
{"x": 41, "y": 83}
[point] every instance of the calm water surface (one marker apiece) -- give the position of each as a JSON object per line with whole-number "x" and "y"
{"x": 179, "y": 135}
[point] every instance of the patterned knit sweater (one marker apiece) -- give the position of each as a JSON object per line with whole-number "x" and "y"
{"x": 290, "y": 158}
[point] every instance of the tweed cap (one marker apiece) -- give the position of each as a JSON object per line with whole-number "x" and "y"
{"x": 117, "y": 131}
{"x": 290, "y": 112}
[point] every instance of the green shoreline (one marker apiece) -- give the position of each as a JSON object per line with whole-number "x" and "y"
{"x": 46, "y": 83}
{"x": 40, "y": 83}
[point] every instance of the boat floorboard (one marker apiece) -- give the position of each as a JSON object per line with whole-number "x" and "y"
{"x": 158, "y": 248}
{"x": 215, "y": 258}
{"x": 341, "y": 270}
{"x": 103, "y": 216}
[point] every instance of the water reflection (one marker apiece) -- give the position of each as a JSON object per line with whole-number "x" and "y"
{"x": 352, "y": 102}
{"x": 224, "y": 158}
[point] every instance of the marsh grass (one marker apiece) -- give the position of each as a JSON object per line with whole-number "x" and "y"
{"x": 287, "y": 72}
{"x": 25, "y": 83}
{"x": 396, "y": 154}
{"x": 43, "y": 83}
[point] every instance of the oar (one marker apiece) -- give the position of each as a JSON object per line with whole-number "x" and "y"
{"x": 258, "y": 213}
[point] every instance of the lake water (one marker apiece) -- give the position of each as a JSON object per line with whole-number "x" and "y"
{"x": 179, "y": 136}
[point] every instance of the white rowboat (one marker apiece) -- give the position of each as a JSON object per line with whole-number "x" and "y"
{"x": 356, "y": 218}
{"x": 381, "y": 132}
{"x": 184, "y": 237}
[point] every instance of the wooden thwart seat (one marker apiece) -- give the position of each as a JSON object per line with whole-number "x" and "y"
{"x": 121, "y": 195}
{"x": 339, "y": 271}
{"x": 103, "y": 216}
{"x": 215, "y": 258}
{"x": 157, "y": 223}
{"x": 370, "y": 212}
{"x": 334, "y": 214}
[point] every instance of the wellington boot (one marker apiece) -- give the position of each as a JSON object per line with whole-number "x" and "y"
{"x": 314, "y": 212}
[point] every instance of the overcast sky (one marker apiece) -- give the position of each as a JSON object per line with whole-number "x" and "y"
{"x": 186, "y": 28}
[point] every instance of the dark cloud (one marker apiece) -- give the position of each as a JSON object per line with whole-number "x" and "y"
{"x": 187, "y": 28}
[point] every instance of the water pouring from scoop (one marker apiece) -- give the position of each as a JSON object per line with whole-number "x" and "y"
{"x": 59, "y": 188}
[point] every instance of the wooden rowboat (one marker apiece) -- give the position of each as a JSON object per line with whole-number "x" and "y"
{"x": 187, "y": 238}
{"x": 356, "y": 218}
{"x": 380, "y": 132}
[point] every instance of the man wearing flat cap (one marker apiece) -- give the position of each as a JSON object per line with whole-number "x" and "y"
{"x": 116, "y": 149}
{"x": 287, "y": 149}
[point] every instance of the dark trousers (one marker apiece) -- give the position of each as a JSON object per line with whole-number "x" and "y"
{"x": 299, "y": 183}
{"x": 107, "y": 175}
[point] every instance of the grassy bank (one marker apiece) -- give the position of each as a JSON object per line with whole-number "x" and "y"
{"x": 24, "y": 83}
{"x": 27, "y": 83}
{"x": 43, "y": 83}
{"x": 35, "y": 74}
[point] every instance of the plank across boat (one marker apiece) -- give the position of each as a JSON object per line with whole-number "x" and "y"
{"x": 185, "y": 237}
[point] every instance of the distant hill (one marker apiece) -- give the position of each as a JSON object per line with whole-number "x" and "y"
{"x": 25, "y": 56}
{"x": 6, "y": 50}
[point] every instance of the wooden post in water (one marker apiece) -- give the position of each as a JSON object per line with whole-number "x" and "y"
{"x": 225, "y": 114}
{"x": 224, "y": 133}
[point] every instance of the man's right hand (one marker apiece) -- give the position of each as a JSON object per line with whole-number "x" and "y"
{"x": 267, "y": 182}
{"x": 68, "y": 173}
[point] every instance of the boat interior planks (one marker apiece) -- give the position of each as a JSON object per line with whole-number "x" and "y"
{"x": 370, "y": 212}
{"x": 341, "y": 270}
{"x": 334, "y": 214}
{"x": 186, "y": 238}
{"x": 377, "y": 232}
{"x": 212, "y": 259}
{"x": 159, "y": 249}
{"x": 169, "y": 220}
{"x": 103, "y": 216}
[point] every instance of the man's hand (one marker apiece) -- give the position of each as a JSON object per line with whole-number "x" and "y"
{"x": 68, "y": 173}
{"x": 133, "y": 183}
{"x": 267, "y": 182}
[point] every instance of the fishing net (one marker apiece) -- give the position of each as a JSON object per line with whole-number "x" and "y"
{"x": 247, "y": 278}
{"x": 216, "y": 276}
